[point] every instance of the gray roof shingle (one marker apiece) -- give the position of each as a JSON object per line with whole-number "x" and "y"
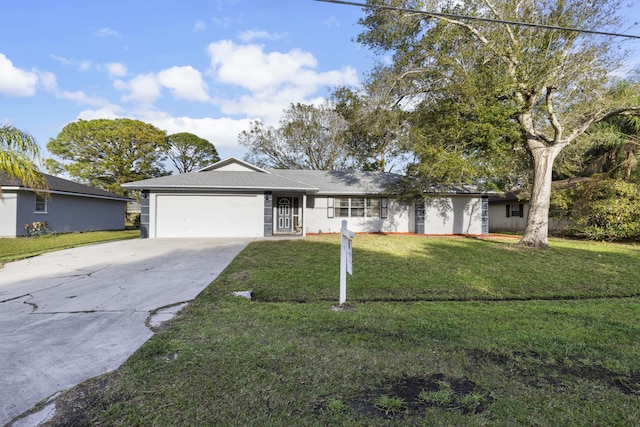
{"x": 222, "y": 180}
{"x": 343, "y": 182}
{"x": 62, "y": 185}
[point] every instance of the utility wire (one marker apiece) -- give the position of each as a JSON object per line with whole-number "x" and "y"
{"x": 475, "y": 18}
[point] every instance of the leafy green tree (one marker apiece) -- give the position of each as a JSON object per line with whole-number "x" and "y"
{"x": 18, "y": 153}
{"x": 309, "y": 137}
{"x": 553, "y": 81}
{"x": 377, "y": 133}
{"x": 189, "y": 152}
{"x": 106, "y": 153}
{"x": 600, "y": 209}
{"x": 615, "y": 144}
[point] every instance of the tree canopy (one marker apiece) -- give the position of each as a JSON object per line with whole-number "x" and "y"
{"x": 106, "y": 153}
{"x": 189, "y": 152}
{"x": 18, "y": 153}
{"x": 308, "y": 137}
{"x": 521, "y": 92}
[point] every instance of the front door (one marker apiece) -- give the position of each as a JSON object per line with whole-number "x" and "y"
{"x": 284, "y": 216}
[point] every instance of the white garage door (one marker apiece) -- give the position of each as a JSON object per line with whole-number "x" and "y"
{"x": 207, "y": 216}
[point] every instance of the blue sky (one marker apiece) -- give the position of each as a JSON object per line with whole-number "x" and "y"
{"x": 205, "y": 67}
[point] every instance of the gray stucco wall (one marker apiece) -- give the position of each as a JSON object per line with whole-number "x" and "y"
{"x": 67, "y": 214}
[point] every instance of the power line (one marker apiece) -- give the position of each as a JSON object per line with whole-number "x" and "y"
{"x": 475, "y": 18}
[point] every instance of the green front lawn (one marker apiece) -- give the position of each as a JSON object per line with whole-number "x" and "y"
{"x": 436, "y": 331}
{"x": 25, "y": 247}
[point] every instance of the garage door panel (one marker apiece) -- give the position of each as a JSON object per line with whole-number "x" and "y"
{"x": 206, "y": 216}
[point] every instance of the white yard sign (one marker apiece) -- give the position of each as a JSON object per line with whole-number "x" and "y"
{"x": 346, "y": 259}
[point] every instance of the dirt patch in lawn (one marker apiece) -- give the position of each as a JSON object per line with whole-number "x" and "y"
{"x": 412, "y": 396}
{"x": 74, "y": 406}
{"x": 536, "y": 370}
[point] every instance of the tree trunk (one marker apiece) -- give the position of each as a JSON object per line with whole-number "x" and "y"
{"x": 536, "y": 234}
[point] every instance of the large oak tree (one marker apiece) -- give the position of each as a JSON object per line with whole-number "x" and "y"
{"x": 552, "y": 82}
{"x": 106, "y": 153}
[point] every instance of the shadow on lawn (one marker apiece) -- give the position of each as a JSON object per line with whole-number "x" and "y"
{"x": 430, "y": 269}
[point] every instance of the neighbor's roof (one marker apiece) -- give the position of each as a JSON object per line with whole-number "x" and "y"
{"x": 62, "y": 186}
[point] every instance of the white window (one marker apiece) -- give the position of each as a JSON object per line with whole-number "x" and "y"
{"x": 357, "y": 207}
{"x": 41, "y": 204}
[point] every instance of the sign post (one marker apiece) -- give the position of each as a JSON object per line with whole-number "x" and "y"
{"x": 346, "y": 259}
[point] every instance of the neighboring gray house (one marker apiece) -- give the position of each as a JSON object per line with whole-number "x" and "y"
{"x": 66, "y": 207}
{"x": 233, "y": 198}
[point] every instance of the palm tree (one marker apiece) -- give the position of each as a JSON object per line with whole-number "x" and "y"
{"x": 18, "y": 153}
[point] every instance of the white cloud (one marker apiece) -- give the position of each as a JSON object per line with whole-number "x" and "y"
{"x": 107, "y": 32}
{"x": 143, "y": 89}
{"x": 332, "y": 22}
{"x": 221, "y": 132}
{"x": 116, "y": 69}
{"x": 101, "y": 113}
{"x": 251, "y": 35}
{"x": 199, "y": 26}
{"x": 84, "y": 99}
{"x": 184, "y": 83}
{"x": 250, "y": 67}
{"x": 61, "y": 59}
{"x": 48, "y": 80}
{"x": 15, "y": 81}
{"x": 81, "y": 64}
{"x": 273, "y": 80}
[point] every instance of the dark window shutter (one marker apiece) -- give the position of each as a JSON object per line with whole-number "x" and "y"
{"x": 521, "y": 210}
{"x": 508, "y": 211}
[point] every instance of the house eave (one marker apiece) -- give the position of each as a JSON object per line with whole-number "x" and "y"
{"x": 218, "y": 188}
{"x": 68, "y": 193}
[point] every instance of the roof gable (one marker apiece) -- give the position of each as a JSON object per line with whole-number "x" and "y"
{"x": 232, "y": 164}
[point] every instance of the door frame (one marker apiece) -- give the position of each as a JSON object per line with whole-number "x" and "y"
{"x": 287, "y": 221}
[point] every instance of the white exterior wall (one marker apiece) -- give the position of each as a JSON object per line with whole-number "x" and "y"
{"x": 317, "y": 220}
{"x": 453, "y": 215}
{"x": 8, "y": 214}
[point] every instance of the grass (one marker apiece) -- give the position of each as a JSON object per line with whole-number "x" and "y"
{"x": 25, "y": 247}
{"x": 436, "y": 332}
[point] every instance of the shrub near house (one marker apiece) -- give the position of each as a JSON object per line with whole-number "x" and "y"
{"x": 600, "y": 210}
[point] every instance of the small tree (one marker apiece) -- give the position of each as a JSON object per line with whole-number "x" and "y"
{"x": 18, "y": 151}
{"x": 189, "y": 152}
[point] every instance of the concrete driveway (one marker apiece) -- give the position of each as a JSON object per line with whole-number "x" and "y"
{"x": 74, "y": 314}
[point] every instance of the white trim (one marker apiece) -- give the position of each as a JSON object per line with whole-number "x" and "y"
{"x": 69, "y": 193}
{"x": 229, "y": 160}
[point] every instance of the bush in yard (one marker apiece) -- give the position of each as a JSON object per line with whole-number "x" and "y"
{"x": 38, "y": 228}
{"x": 601, "y": 209}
